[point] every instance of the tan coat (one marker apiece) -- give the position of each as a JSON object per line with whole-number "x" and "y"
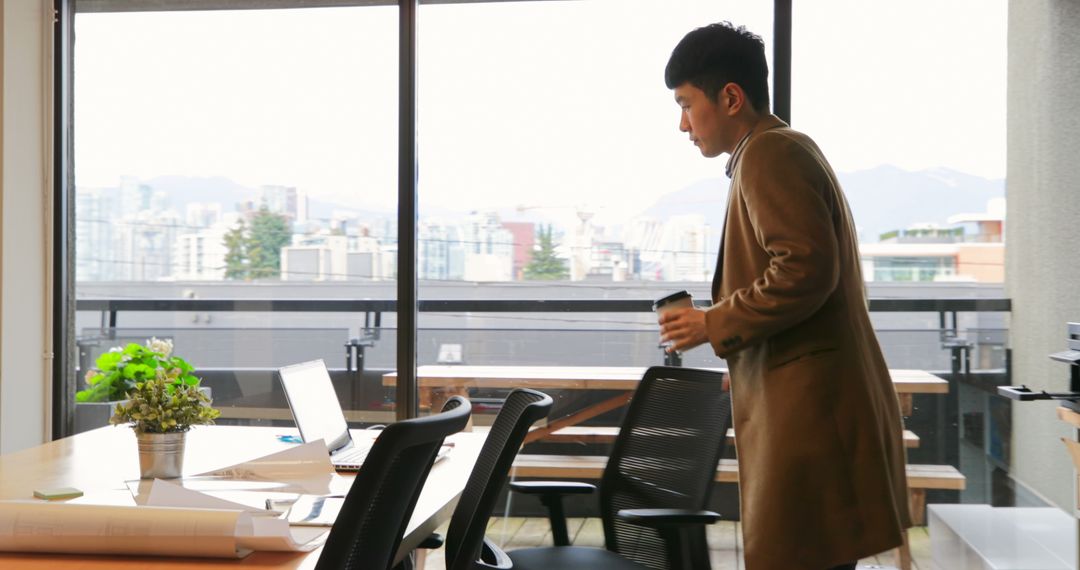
{"x": 821, "y": 460}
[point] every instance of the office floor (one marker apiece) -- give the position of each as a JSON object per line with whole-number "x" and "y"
{"x": 724, "y": 541}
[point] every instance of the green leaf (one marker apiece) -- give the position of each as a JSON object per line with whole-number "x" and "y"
{"x": 177, "y": 362}
{"x": 108, "y": 360}
{"x": 137, "y": 371}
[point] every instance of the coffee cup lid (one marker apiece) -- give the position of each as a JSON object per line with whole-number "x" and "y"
{"x": 677, "y": 296}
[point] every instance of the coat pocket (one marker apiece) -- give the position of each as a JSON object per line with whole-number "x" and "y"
{"x": 780, "y": 355}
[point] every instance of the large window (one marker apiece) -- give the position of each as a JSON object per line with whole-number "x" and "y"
{"x": 236, "y": 190}
{"x": 240, "y": 155}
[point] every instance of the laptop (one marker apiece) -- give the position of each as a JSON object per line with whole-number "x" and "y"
{"x": 317, "y": 413}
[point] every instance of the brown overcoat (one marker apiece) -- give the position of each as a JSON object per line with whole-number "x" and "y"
{"x": 817, "y": 421}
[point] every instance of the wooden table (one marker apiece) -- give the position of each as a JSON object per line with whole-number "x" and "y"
{"x": 99, "y": 461}
{"x": 437, "y": 383}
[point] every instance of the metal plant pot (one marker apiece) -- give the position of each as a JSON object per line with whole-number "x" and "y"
{"x": 161, "y": 455}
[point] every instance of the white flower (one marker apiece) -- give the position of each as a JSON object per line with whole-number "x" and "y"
{"x": 162, "y": 347}
{"x": 116, "y": 349}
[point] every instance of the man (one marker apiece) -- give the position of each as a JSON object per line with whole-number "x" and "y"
{"x": 821, "y": 460}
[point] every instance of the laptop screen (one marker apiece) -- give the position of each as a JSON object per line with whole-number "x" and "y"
{"x": 314, "y": 403}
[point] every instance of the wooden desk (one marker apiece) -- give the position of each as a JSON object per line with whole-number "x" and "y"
{"x": 437, "y": 383}
{"x": 99, "y": 461}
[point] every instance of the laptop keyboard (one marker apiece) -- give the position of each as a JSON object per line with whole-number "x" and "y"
{"x": 353, "y": 456}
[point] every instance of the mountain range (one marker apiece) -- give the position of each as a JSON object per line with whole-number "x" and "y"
{"x": 882, "y": 199}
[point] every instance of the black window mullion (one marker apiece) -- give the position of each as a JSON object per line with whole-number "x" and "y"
{"x": 63, "y": 285}
{"x": 782, "y": 59}
{"x": 407, "y": 214}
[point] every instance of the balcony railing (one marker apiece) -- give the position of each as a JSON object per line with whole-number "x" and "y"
{"x": 963, "y": 340}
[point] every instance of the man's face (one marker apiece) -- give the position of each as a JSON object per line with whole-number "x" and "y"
{"x": 707, "y": 122}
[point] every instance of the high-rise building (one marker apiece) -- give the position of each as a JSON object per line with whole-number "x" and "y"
{"x": 203, "y": 214}
{"x": 126, "y": 233}
{"x": 95, "y": 235}
{"x": 681, "y": 248}
{"x": 523, "y": 236}
{"x": 146, "y": 245}
{"x": 440, "y": 252}
{"x": 200, "y": 256}
{"x": 281, "y": 200}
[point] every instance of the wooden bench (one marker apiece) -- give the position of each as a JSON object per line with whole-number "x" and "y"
{"x": 920, "y": 477}
{"x": 605, "y": 434}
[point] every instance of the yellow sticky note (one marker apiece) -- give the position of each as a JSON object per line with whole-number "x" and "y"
{"x": 58, "y": 493}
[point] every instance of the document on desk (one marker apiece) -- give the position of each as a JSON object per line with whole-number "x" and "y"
{"x": 305, "y": 468}
{"x": 163, "y": 493}
{"x": 36, "y": 526}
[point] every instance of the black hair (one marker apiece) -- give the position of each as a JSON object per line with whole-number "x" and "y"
{"x": 713, "y": 56}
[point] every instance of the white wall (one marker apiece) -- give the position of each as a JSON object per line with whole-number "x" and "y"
{"x": 23, "y": 363}
{"x": 1043, "y": 189}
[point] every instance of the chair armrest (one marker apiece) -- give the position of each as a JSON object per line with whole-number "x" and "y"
{"x": 552, "y": 487}
{"x": 433, "y": 541}
{"x": 682, "y": 530}
{"x": 551, "y": 495}
{"x": 659, "y": 518}
{"x": 491, "y": 556}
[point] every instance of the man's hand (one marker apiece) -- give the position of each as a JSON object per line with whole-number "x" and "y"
{"x": 684, "y": 328}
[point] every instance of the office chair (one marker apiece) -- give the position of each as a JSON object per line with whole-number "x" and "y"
{"x": 377, "y": 508}
{"x": 466, "y": 546}
{"x": 656, "y": 482}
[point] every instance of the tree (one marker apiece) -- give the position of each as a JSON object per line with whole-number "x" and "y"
{"x": 255, "y": 252}
{"x": 269, "y": 233}
{"x": 545, "y": 265}
{"x": 236, "y": 261}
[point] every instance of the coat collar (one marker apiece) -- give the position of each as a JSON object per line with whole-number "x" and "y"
{"x": 765, "y": 123}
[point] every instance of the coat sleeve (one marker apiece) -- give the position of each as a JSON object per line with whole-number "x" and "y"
{"x": 788, "y": 204}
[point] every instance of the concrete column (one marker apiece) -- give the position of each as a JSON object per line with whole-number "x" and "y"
{"x": 1043, "y": 228}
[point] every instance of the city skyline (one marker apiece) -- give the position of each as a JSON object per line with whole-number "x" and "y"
{"x": 144, "y": 233}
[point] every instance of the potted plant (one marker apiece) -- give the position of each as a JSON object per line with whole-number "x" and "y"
{"x": 163, "y": 401}
{"x": 116, "y": 372}
{"x": 161, "y": 410}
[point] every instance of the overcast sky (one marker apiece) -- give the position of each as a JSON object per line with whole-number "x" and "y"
{"x": 553, "y": 104}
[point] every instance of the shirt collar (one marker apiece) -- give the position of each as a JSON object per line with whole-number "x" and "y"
{"x": 734, "y": 158}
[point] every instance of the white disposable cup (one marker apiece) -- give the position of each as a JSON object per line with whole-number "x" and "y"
{"x": 681, "y": 299}
{"x": 678, "y": 300}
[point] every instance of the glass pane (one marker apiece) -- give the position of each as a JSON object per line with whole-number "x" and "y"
{"x": 907, "y": 100}
{"x": 235, "y": 156}
{"x": 552, "y": 168}
{"x": 910, "y": 111}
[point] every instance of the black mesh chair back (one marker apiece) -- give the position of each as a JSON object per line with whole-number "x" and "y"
{"x": 465, "y": 536}
{"x": 666, "y": 455}
{"x": 376, "y": 510}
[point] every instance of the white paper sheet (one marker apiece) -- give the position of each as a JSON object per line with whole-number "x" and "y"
{"x": 305, "y": 466}
{"x": 251, "y": 494}
{"x": 165, "y": 494}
